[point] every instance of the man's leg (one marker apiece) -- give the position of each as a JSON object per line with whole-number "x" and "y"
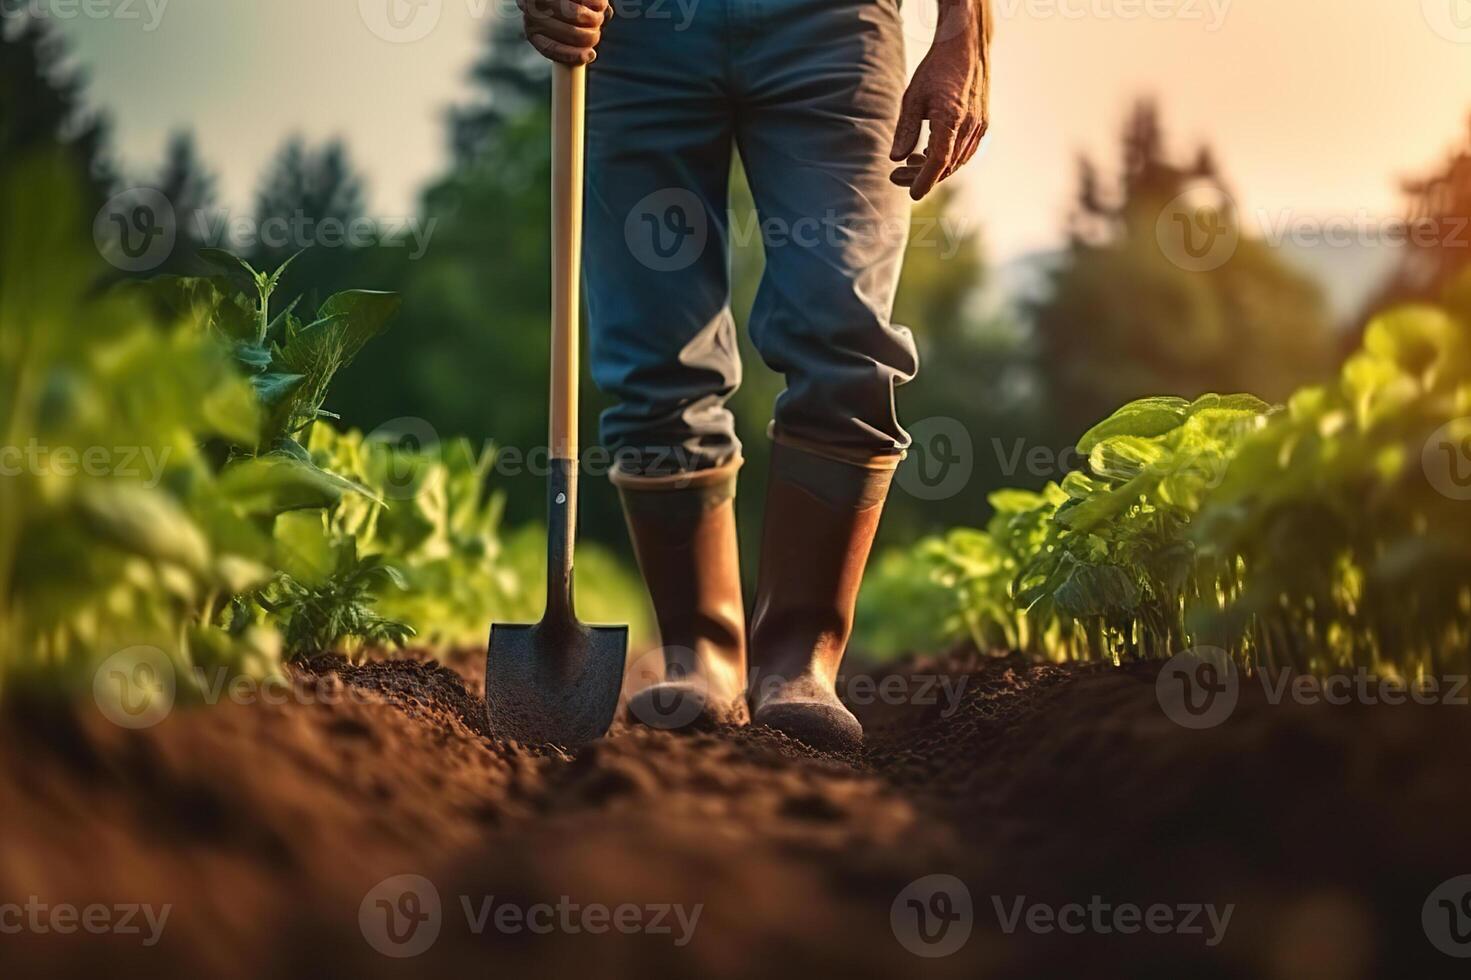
{"x": 663, "y": 344}
{"x": 820, "y": 98}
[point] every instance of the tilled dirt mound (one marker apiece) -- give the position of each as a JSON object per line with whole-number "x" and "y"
{"x": 372, "y": 815}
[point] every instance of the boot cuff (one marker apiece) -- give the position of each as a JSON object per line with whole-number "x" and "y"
{"x": 838, "y": 483}
{"x": 715, "y": 480}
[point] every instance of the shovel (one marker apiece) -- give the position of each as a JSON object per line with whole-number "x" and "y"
{"x": 559, "y": 680}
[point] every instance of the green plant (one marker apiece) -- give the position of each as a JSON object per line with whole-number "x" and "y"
{"x": 114, "y": 531}
{"x": 432, "y": 515}
{"x": 1306, "y": 536}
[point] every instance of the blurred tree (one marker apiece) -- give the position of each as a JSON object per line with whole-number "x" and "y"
{"x": 510, "y": 79}
{"x": 41, "y": 102}
{"x": 1438, "y": 235}
{"x": 307, "y": 200}
{"x": 1129, "y": 316}
{"x": 190, "y": 187}
{"x": 470, "y": 355}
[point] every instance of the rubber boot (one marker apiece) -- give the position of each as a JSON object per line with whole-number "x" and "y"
{"x": 684, "y": 534}
{"x": 820, "y": 520}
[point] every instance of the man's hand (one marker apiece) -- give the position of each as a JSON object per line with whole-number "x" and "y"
{"x": 566, "y": 30}
{"x": 952, "y": 89}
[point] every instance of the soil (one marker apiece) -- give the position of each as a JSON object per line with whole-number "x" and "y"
{"x": 268, "y": 828}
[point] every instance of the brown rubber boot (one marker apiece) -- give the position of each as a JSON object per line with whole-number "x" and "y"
{"x": 821, "y": 517}
{"x": 684, "y": 534}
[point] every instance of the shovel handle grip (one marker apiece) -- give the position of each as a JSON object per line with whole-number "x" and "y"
{"x": 569, "y": 105}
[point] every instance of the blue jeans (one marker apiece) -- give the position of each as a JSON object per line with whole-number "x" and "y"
{"x": 808, "y": 91}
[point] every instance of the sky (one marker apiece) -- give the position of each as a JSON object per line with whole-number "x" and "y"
{"x": 1316, "y": 108}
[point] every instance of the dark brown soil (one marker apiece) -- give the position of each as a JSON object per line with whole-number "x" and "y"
{"x": 265, "y": 827}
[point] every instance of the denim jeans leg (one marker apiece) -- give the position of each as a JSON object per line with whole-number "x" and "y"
{"x": 819, "y": 90}
{"x": 656, "y": 262}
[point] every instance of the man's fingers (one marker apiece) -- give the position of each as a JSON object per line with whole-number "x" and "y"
{"x": 904, "y": 176}
{"x": 906, "y": 134}
{"x": 572, "y": 37}
{"x": 565, "y": 53}
{"x": 566, "y": 11}
{"x": 937, "y": 158}
{"x": 962, "y": 145}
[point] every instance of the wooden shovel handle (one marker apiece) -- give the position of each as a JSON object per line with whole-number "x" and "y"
{"x": 569, "y": 104}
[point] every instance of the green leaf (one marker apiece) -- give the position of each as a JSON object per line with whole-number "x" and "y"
{"x": 364, "y": 315}
{"x": 143, "y": 521}
{"x": 1146, "y": 418}
{"x": 273, "y": 388}
{"x": 1122, "y": 458}
{"x": 1097, "y": 590}
{"x": 270, "y": 485}
{"x": 231, "y": 263}
{"x": 252, "y": 357}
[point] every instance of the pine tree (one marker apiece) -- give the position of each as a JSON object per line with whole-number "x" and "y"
{"x": 41, "y": 103}
{"x": 1126, "y": 319}
{"x": 1437, "y": 252}
{"x": 190, "y": 187}
{"x": 510, "y": 79}
{"x": 307, "y": 199}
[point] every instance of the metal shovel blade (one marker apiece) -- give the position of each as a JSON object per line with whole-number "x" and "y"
{"x": 554, "y": 682}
